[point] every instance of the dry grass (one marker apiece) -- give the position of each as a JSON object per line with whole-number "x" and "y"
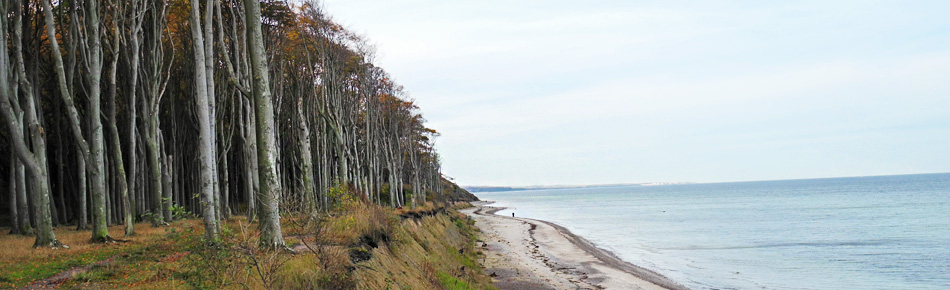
{"x": 423, "y": 208}
{"x": 17, "y": 247}
{"x": 21, "y": 264}
{"x": 358, "y": 246}
{"x": 359, "y": 224}
{"x": 427, "y": 253}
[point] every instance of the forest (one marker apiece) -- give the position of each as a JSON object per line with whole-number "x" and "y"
{"x": 124, "y": 111}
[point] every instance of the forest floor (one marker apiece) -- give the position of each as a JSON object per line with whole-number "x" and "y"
{"x": 26, "y": 267}
{"x": 363, "y": 247}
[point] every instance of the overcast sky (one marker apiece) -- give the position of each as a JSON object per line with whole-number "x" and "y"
{"x": 542, "y": 92}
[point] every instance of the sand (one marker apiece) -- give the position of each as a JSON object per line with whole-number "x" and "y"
{"x": 528, "y": 254}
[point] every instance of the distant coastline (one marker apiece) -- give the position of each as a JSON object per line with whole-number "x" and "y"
{"x": 547, "y": 187}
{"x": 491, "y": 188}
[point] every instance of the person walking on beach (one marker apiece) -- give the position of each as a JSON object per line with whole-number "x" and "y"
{"x": 512, "y": 214}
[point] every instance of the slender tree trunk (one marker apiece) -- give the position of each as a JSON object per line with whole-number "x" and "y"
{"x": 133, "y": 50}
{"x": 123, "y": 187}
{"x": 208, "y": 46}
{"x": 12, "y": 199}
{"x": 225, "y": 190}
{"x": 167, "y": 188}
{"x": 154, "y": 171}
{"x": 82, "y": 192}
{"x": 252, "y": 178}
{"x": 271, "y": 236}
{"x": 35, "y": 161}
{"x": 341, "y": 154}
{"x": 20, "y": 211}
{"x": 100, "y": 230}
{"x": 206, "y": 148}
{"x": 94, "y": 151}
{"x": 23, "y": 204}
{"x": 306, "y": 158}
{"x": 106, "y": 173}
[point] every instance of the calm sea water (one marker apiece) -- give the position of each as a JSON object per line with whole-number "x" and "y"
{"x": 886, "y": 232}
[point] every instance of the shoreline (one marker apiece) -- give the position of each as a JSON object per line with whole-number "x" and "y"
{"x": 523, "y": 253}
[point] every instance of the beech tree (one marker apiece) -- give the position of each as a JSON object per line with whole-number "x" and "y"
{"x": 271, "y": 235}
{"x": 232, "y": 107}
{"x": 35, "y": 160}
{"x": 203, "y": 88}
{"x": 123, "y": 187}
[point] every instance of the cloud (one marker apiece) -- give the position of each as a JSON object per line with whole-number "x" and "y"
{"x": 544, "y": 92}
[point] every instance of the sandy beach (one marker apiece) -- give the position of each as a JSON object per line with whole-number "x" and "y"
{"x": 528, "y": 254}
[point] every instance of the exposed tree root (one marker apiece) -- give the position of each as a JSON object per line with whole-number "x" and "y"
{"x": 108, "y": 240}
{"x": 55, "y": 244}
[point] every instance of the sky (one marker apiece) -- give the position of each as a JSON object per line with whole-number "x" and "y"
{"x": 549, "y": 92}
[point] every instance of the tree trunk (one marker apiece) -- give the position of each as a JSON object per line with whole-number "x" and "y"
{"x": 82, "y": 192}
{"x": 154, "y": 171}
{"x": 134, "y": 60}
{"x": 100, "y": 230}
{"x": 167, "y": 189}
{"x": 250, "y": 157}
{"x": 225, "y": 190}
{"x": 35, "y": 161}
{"x": 23, "y": 204}
{"x": 271, "y": 236}
{"x": 92, "y": 152}
{"x": 206, "y": 147}
{"x": 306, "y": 158}
{"x": 208, "y": 46}
{"x": 123, "y": 187}
{"x": 12, "y": 200}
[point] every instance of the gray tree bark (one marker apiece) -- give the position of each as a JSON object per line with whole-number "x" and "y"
{"x": 154, "y": 171}
{"x": 271, "y": 235}
{"x": 35, "y": 161}
{"x": 19, "y": 207}
{"x": 123, "y": 187}
{"x": 206, "y": 148}
{"x": 252, "y": 178}
{"x": 306, "y": 158}
{"x": 100, "y": 230}
{"x": 225, "y": 190}
{"x": 93, "y": 153}
{"x": 133, "y": 40}
{"x": 208, "y": 46}
{"x": 12, "y": 198}
{"x": 82, "y": 191}
{"x": 167, "y": 189}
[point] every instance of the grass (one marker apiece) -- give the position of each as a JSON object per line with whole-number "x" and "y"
{"x": 452, "y": 283}
{"x": 426, "y": 252}
{"x": 357, "y": 246}
{"x": 22, "y": 264}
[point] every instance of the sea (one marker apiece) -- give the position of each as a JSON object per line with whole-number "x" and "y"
{"x": 881, "y": 232}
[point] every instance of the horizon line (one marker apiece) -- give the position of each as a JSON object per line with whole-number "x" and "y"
{"x": 683, "y": 182}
